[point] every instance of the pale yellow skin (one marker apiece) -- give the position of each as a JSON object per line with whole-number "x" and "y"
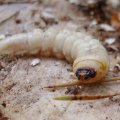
{"x": 77, "y": 48}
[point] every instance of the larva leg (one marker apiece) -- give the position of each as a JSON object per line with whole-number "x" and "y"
{"x": 78, "y": 83}
{"x": 110, "y": 79}
{"x": 86, "y": 97}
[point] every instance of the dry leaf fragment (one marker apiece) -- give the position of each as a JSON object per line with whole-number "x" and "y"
{"x": 5, "y": 15}
{"x": 112, "y": 48}
{"x": 48, "y": 15}
{"x": 115, "y": 20}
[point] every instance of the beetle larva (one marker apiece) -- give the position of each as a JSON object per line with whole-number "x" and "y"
{"x": 89, "y": 57}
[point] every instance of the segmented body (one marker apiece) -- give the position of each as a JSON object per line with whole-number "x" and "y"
{"x": 83, "y": 51}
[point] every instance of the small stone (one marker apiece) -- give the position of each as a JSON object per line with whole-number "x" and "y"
{"x": 110, "y": 41}
{"x": 35, "y": 62}
{"x": 106, "y": 27}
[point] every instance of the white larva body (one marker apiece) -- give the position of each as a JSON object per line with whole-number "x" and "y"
{"x": 83, "y": 51}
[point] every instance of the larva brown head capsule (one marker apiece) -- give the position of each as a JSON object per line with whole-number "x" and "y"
{"x": 89, "y": 70}
{"x": 85, "y": 73}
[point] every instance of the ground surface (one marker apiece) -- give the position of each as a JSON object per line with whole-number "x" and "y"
{"x": 21, "y": 93}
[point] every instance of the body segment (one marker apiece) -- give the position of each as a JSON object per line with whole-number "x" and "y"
{"x": 86, "y": 54}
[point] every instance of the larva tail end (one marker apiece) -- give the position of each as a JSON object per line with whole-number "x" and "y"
{"x": 82, "y": 97}
{"x": 78, "y": 83}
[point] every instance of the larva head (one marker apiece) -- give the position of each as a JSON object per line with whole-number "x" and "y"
{"x": 85, "y": 73}
{"x": 88, "y": 71}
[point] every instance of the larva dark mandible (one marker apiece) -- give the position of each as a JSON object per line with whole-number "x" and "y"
{"x": 90, "y": 59}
